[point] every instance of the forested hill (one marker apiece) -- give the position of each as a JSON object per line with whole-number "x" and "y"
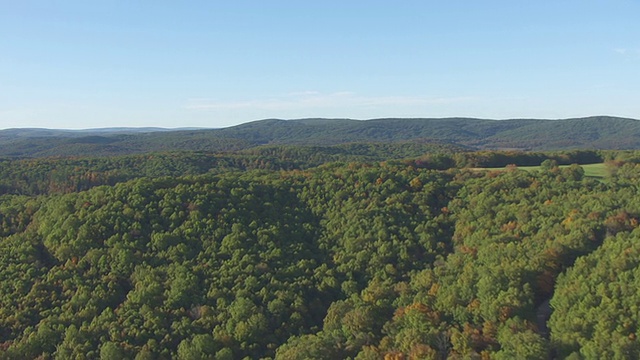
{"x": 599, "y": 132}
{"x": 363, "y": 251}
{"x": 360, "y": 260}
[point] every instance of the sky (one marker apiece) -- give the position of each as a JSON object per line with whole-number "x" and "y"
{"x": 77, "y": 64}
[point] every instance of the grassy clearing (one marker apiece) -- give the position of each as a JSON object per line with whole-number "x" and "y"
{"x": 596, "y": 171}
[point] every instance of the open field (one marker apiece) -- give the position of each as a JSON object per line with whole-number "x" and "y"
{"x": 596, "y": 171}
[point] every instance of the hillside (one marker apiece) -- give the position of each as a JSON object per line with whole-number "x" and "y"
{"x": 205, "y": 256}
{"x": 599, "y": 132}
{"x": 365, "y": 250}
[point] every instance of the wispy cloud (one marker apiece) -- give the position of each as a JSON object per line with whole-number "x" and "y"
{"x": 315, "y": 100}
{"x": 628, "y": 53}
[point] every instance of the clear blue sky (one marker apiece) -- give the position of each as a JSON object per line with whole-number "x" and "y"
{"x": 87, "y": 64}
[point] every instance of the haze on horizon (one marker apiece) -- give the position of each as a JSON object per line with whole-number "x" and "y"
{"x": 78, "y": 65}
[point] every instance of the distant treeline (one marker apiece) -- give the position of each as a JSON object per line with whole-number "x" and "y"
{"x": 492, "y": 159}
{"x": 63, "y": 175}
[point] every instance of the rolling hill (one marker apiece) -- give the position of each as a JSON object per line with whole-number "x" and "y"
{"x": 598, "y": 132}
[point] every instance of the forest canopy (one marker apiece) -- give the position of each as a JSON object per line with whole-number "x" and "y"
{"x": 302, "y": 252}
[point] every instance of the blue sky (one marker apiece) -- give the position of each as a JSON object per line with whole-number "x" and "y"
{"x": 87, "y": 64}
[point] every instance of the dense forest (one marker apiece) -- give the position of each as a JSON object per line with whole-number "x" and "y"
{"x": 598, "y": 132}
{"x": 406, "y": 250}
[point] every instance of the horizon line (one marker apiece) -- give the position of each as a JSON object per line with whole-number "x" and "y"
{"x": 193, "y": 128}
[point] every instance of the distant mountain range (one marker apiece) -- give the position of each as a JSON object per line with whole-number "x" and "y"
{"x": 598, "y": 132}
